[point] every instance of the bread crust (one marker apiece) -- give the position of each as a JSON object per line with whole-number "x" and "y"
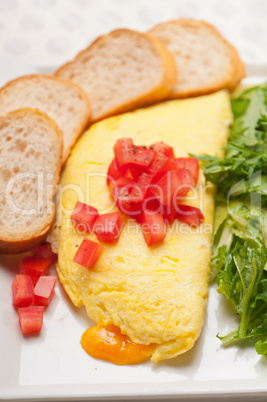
{"x": 21, "y": 242}
{"x": 240, "y": 70}
{"x": 162, "y": 89}
{"x": 84, "y": 124}
{"x": 24, "y": 244}
{"x": 230, "y": 79}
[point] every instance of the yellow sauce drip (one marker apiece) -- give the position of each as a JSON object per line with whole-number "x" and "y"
{"x": 106, "y": 342}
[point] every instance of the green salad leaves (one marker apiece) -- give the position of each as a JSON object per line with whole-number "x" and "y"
{"x": 240, "y": 232}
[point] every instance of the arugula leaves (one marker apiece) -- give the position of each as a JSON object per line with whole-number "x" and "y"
{"x": 240, "y": 232}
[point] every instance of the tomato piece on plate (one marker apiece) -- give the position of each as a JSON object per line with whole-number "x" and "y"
{"x": 122, "y": 148}
{"x": 22, "y": 288}
{"x": 35, "y": 267}
{"x": 127, "y": 204}
{"x": 88, "y": 253}
{"x": 152, "y": 204}
{"x": 126, "y": 152}
{"x": 136, "y": 171}
{"x": 114, "y": 172}
{"x": 45, "y": 251}
{"x": 165, "y": 190}
{"x": 140, "y": 189}
{"x": 83, "y": 217}
{"x": 169, "y": 214}
{"x": 163, "y": 148}
{"x": 191, "y": 164}
{"x": 190, "y": 215}
{"x": 44, "y": 290}
{"x": 116, "y": 185}
{"x": 142, "y": 156}
{"x": 31, "y": 319}
{"x": 108, "y": 227}
{"x": 160, "y": 166}
{"x": 153, "y": 228}
{"x": 186, "y": 183}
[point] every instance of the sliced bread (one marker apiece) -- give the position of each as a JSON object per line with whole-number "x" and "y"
{"x": 121, "y": 71}
{"x": 205, "y": 60}
{"x": 30, "y": 162}
{"x": 66, "y": 103}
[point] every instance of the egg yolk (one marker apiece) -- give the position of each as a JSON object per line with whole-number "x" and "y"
{"x": 106, "y": 342}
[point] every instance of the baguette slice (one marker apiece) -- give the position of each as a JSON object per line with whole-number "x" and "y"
{"x": 206, "y": 61}
{"x": 121, "y": 71}
{"x": 66, "y": 103}
{"x": 30, "y": 162}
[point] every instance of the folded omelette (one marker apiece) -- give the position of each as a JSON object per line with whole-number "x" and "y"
{"x": 153, "y": 294}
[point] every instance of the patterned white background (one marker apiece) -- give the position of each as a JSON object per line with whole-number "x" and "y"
{"x": 40, "y": 35}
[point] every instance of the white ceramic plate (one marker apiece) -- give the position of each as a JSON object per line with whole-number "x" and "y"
{"x": 37, "y": 36}
{"x": 53, "y": 365}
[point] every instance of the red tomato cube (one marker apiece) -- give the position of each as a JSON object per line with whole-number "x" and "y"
{"x": 136, "y": 171}
{"x": 44, "y": 290}
{"x": 83, "y": 217}
{"x": 187, "y": 183}
{"x": 152, "y": 204}
{"x": 140, "y": 189}
{"x": 35, "y": 267}
{"x": 31, "y": 319}
{"x": 22, "y": 288}
{"x": 163, "y": 148}
{"x": 169, "y": 214}
{"x": 160, "y": 166}
{"x": 114, "y": 172}
{"x": 108, "y": 227}
{"x": 153, "y": 228}
{"x": 127, "y": 204}
{"x": 190, "y": 215}
{"x": 165, "y": 190}
{"x": 116, "y": 185}
{"x": 191, "y": 164}
{"x": 122, "y": 148}
{"x": 126, "y": 152}
{"x": 45, "y": 251}
{"x": 88, "y": 253}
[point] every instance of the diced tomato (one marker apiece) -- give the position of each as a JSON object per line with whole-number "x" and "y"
{"x": 128, "y": 204}
{"x": 153, "y": 228}
{"x": 163, "y": 148}
{"x": 190, "y": 215}
{"x": 141, "y": 156}
{"x": 166, "y": 188}
{"x": 159, "y": 167}
{"x": 31, "y": 319}
{"x": 122, "y": 148}
{"x": 45, "y": 251}
{"x": 186, "y": 183}
{"x": 116, "y": 185}
{"x": 150, "y": 181}
{"x": 44, "y": 289}
{"x": 136, "y": 171}
{"x": 22, "y": 288}
{"x": 126, "y": 152}
{"x": 169, "y": 214}
{"x": 35, "y": 267}
{"x": 152, "y": 204}
{"x": 108, "y": 227}
{"x": 114, "y": 172}
{"x": 140, "y": 189}
{"x": 83, "y": 217}
{"x": 88, "y": 253}
{"x": 191, "y": 164}
{"x": 167, "y": 211}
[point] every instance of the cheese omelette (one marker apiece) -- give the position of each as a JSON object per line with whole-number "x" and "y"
{"x": 153, "y": 294}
